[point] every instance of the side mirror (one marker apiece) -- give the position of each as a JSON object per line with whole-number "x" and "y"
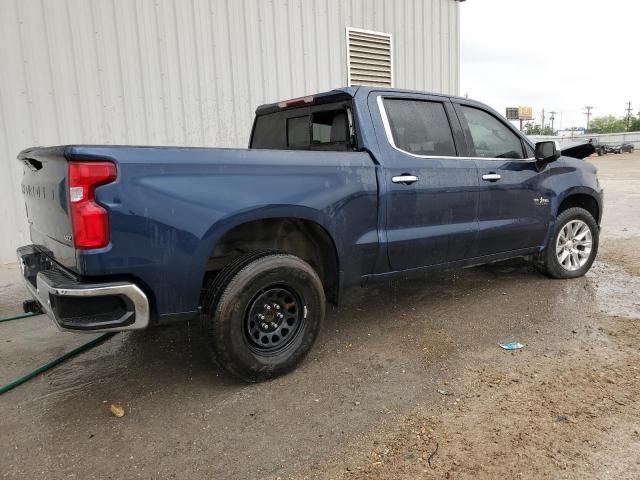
{"x": 547, "y": 152}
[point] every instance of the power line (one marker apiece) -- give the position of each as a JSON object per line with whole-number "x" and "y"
{"x": 588, "y": 109}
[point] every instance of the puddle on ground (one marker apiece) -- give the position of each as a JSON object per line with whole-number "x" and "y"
{"x": 617, "y": 293}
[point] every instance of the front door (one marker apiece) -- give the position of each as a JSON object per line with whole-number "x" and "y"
{"x": 431, "y": 194}
{"x": 513, "y": 208}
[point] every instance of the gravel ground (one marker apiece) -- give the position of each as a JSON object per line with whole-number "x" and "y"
{"x": 406, "y": 381}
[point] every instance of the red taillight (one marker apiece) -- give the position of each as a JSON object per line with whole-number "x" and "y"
{"x": 296, "y": 102}
{"x": 90, "y": 221}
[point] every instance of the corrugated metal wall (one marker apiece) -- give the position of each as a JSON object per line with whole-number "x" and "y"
{"x": 171, "y": 72}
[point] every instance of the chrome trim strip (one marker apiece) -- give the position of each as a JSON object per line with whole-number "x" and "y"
{"x": 389, "y": 135}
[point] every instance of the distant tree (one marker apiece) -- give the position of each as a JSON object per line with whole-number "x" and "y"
{"x": 530, "y": 129}
{"x": 533, "y": 129}
{"x": 608, "y": 124}
{"x": 634, "y": 125}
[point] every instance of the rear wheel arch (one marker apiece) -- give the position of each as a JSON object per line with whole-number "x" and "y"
{"x": 303, "y": 238}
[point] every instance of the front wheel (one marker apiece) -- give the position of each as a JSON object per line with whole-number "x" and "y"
{"x": 573, "y": 246}
{"x": 263, "y": 315}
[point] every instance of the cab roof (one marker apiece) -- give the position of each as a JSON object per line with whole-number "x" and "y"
{"x": 337, "y": 94}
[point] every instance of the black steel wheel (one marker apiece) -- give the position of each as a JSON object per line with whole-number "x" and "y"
{"x": 262, "y": 314}
{"x": 273, "y": 319}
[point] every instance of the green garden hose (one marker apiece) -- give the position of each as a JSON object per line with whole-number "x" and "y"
{"x": 56, "y": 361}
{"x": 16, "y": 317}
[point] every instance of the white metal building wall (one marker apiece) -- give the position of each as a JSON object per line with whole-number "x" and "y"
{"x": 171, "y": 72}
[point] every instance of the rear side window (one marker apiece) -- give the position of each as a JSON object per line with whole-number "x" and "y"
{"x": 420, "y": 127}
{"x": 318, "y": 128}
{"x": 491, "y": 138}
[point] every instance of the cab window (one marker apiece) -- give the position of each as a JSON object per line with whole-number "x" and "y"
{"x": 490, "y": 137}
{"x": 420, "y": 127}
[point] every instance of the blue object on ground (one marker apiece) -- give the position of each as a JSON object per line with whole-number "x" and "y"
{"x": 511, "y": 345}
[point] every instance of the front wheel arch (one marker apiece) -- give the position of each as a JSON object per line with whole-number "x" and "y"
{"x": 581, "y": 200}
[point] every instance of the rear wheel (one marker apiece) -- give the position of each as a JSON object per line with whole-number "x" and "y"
{"x": 264, "y": 314}
{"x": 573, "y": 246}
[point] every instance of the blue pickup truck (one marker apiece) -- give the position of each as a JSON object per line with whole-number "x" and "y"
{"x": 336, "y": 189}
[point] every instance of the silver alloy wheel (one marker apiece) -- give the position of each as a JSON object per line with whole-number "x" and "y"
{"x": 573, "y": 245}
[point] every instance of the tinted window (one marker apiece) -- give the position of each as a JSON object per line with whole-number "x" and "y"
{"x": 318, "y": 128}
{"x": 298, "y": 131}
{"x": 528, "y": 151}
{"x": 491, "y": 138}
{"x": 420, "y": 127}
{"x": 269, "y": 132}
{"x": 330, "y": 127}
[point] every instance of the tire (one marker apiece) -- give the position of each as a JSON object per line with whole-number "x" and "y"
{"x": 239, "y": 297}
{"x": 572, "y": 267}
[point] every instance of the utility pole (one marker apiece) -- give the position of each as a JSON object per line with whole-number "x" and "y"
{"x": 588, "y": 109}
{"x": 542, "y": 119}
{"x": 552, "y": 118}
{"x": 628, "y": 110}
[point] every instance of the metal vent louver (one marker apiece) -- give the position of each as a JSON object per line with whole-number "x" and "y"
{"x": 369, "y": 58}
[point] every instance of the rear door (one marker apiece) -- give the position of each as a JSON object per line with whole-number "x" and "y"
{"x": 431, "y": 195}
{"x": 513, "y": 208}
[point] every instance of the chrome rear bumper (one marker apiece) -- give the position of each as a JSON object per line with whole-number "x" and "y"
{"x": 79, "y": 306}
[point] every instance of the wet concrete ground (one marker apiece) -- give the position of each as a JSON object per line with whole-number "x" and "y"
{"x": 381, "y": 356}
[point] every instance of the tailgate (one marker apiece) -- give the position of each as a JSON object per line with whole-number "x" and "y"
{"x": 44, "y": 189}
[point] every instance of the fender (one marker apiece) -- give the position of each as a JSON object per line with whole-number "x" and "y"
{"x": 579, "y": 189}
{"x": 224, "y": 225}
{"x": 295, "y": 212}
{"x": 561, "y": 197}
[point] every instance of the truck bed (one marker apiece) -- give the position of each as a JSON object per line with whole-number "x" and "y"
{"x": 169, "y": 206}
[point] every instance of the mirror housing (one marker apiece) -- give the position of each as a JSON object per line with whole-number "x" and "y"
{"x": 547, "y": 152}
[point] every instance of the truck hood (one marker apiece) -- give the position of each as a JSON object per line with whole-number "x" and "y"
{"x": 578, "y": 150}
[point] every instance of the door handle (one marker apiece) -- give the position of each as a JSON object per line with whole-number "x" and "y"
{"x": 405, "y": 179}
{"x": 491, "y": 177}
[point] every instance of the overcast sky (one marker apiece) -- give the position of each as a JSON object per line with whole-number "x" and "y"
{"x": 554, "y": 54}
